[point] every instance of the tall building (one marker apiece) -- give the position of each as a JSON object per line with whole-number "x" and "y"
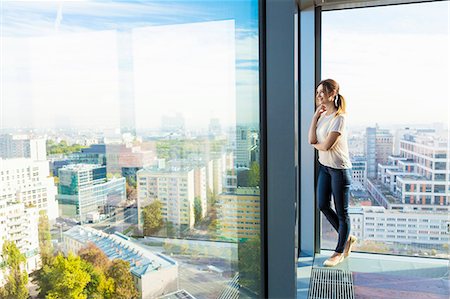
{"x": 238, "y": 213}
{"x": 420, "y": 176}
{"x": 359, "y": 170}
{"x": 174, "y": 188}
{"x": 379, "y": 146}
{"x": 244, "y": 144}
{"x": 200, "y": 190}
{"x": 22, "y": 146}
{"x": 84, "y": 189}
{"x": 29, "y": 182}
{"x": 19, "y": 224}
{"x": 153, "y": 274}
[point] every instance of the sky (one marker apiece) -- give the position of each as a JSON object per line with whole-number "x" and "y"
{"x": 83, "y": 64}
{"x": 392, "y": 63}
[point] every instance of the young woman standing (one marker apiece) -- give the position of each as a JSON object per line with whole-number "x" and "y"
{"x": 328, "y": 134}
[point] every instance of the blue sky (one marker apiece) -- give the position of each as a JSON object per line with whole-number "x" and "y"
{"x": 25, "y": 23}
{"x": 390, "y": 58}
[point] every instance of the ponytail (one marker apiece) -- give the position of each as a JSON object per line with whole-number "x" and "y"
{"x": 339, "y": 102}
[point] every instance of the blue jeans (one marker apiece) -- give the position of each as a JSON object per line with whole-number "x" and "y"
{"x": 336, "y": 182}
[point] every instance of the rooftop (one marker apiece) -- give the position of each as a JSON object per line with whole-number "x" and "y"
{"x": 118, "y": 246}
{"x": 81, "y": 166}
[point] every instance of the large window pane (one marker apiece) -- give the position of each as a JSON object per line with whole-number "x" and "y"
{"x": 393, "y": 67}
{"x": 134, "y": 126}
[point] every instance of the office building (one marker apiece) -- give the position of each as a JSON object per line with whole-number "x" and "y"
{"x": 84, "y": 188}
{"x": 379, "y": 146}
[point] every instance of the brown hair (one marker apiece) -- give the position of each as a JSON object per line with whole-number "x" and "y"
{"x": 330, "y": 86}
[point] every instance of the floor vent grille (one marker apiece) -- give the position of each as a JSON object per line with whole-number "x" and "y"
{"x": 331, "y": 284}
{"x": 231, "y": 291}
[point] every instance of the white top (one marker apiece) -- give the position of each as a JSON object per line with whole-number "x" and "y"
{"x": 337, "y": 156}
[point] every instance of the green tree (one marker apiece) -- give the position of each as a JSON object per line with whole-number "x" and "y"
{"x": 65, "y": 278}
{"x": 131, "y": 191}
{"x": 16, "y": 279}
{"x": 95, "y": 256}
{"x": 213, "y": 227}
{"x": 45, "y": 239}
{"x": 124, "y": 287}
{"x": 253, "y": 175}
{"x": 100, "y": 286}
{"x": 198, "y": 210}
{"x": 212, "y": 204}
{"x": 152, "y": 218}
{"x": 249, "y": 254}
{"x": 62, "y": 147}
{"x": 170, "y": 229}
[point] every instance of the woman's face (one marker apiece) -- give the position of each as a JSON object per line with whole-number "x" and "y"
{"x": 322, "y": 97}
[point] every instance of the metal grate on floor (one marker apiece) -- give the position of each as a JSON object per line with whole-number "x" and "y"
{"x": 231, "y": 291}
{"x": 331, "y": 284}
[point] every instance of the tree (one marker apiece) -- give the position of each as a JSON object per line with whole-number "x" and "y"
{"x": 212, "y": 202}
{"x": 249, "y": 254}
{"x": 124, "y": 287}
{"x": 170, "y": 229}
{"x": 45, "y": 239}
{"x": 95, "y": 256}
{"x": 152, "y": 218}
{"x": 253, "y": 175}
{"x": 198, "y": 210}
{"x": 65, "y": 278}
{"x": 16, "y": 280}
{"x": 213, "y": 227}
{"x": 131, "y": 192}
{"x": 100, "y": 286}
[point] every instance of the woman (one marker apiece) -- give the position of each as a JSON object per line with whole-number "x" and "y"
{"x": 328, "y": 135}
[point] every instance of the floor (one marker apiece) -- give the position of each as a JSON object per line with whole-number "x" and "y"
{"x": 377, "y": 276}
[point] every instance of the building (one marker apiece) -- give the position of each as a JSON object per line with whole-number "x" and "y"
{"x": 380, "y": 224}
{"x": 22, "y": 146}
{"x": 29, "y": 182}
{"x": 174, "y": 188}
{"x": 214, "y": 127}
{"x": 153, "y": 273}
{"x": 379, "y": 146}
{"x": 19, "y": 224}
{"x": 419, "y": 176}
{"x": 200, "y": 188}
{"x": 238, "y": 213}
{"x": 84, "y": 188}
{"x": 244, "y": 145}
{"x": 127, "y": 159}
{"x": 359, "y": 170}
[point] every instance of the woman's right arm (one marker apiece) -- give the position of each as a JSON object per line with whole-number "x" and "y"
{"x": 312, "y": 129}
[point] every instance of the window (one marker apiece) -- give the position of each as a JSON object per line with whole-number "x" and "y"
{"x": 381, "y": 51}
{"x": 125, "y": 93}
